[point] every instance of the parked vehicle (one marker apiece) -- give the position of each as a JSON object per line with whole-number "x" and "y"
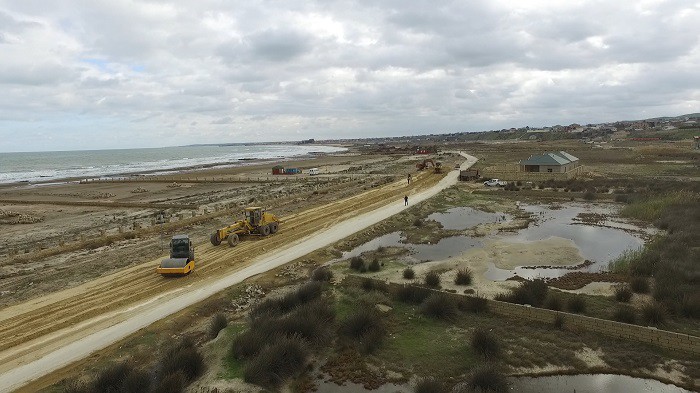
{"x": 313, "y": 171}
{"x": 495, "y": 183}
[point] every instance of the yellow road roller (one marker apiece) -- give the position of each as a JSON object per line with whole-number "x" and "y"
{"x": 181, "y": 261}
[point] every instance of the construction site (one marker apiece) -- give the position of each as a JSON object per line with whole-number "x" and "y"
{"x": 101, "y": 272}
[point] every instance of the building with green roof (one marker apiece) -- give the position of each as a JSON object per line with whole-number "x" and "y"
{"x": 555, "y": 162}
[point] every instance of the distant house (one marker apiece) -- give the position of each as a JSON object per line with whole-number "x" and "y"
{"x": 291, "y": 171}
{"x": 557, "y": 162}
{"x": 278, "y": 170}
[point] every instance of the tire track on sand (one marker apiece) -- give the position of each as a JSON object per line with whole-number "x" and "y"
{"x": 25, "y": 362}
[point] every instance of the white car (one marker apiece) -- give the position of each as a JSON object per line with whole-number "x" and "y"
{"x": 495, "y": 183}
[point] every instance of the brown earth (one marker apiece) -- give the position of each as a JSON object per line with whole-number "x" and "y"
{"x": 34, "y": 327}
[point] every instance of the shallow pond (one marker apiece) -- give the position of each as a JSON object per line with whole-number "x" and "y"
{"x": 584, "y": 383}
{"x": 587, "y": 383}
{"x": 461, "y": 218}
{"x": 598, "y": 243}
{"x": 445, "y": 248}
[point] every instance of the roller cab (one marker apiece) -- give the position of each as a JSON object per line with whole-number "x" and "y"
{"x": 181, "y": 261}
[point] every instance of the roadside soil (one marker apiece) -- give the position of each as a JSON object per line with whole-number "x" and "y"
{"x": 36, "y": 327}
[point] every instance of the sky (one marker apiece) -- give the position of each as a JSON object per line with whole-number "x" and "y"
{"x": 94, "y": 74}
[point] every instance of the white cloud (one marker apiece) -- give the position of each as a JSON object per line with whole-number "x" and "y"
{"x": 130, "y": 73}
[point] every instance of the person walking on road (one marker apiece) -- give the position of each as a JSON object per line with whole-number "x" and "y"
{"x": 405, "y": 200}
{"x": 409, "y": 178}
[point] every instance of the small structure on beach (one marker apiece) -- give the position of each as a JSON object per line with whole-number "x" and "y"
{"x": 555, "y": 162}
{"x": 280, "y": 170}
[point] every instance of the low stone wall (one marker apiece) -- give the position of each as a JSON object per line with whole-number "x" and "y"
{"x": 650, "y": 335}
{"x": 513, "y": 173}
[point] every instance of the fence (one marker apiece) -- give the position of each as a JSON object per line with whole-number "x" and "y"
{"x": 662, "y": 338}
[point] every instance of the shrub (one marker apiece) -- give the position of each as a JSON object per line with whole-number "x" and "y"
{"x": 488, "y": 379}
{"x": 411, "y": 294}
{"x": 357, "y": 263}
{"x": 76, "y": 386}
{"x": 218, "y": 322}
{"x": 653, "y": 313}
{"x": 440, "y": 306}
{"x": 639, "y": 285}
{"x": 576, "y": 304}
{"x": 248, "y": 343}
{"x": 278, "y": 306}
{"x": 623, "y": 293}
{"x": 589, "y": 195}
{"x": 464, "y": 277}
{"x": 171, "y": 383}
{"x": 418, "y": 222}
{"x": 409, "y": 273}
{"x": 184, "y": 358}
{"x": 553, "y": 302}
{"x": 282, "y": 359}
{"x": 529, "y": 292}
{"x": 311, "y": 322}
{"x": 475, "y": 304}
{"x": 558, "y": 321}
{"x": 374, "y": 265}
{"x": 485, "y": 344}
{"x": 111, "y": 377}
{"x": 622, "y": 198}
{"x": 625, "y": 314}
{"x": 367, "y": 284}
{"x": 364, "y": 326}
{"x": 690, "y": 305}
{"x": 309, "y": 291}
{"x": 429, "y": 385}
{"x": 322, "y": 273}
{"x": 432, "y": 279}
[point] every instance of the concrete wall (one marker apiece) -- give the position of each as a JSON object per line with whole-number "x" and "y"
{"x": 650, "y": 335}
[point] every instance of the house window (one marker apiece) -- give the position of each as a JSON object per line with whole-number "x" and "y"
{"x": 549, "y": 170}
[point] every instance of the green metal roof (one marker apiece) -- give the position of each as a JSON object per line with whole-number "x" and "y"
{"x": 558, "y": 158}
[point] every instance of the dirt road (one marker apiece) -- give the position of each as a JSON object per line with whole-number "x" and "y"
{"x": 46, "y": 333}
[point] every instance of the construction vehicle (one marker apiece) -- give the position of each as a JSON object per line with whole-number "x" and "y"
{"x": 256, "y": 222}
{"x": 181, "y": 261}
{"x": 437, "y": 165}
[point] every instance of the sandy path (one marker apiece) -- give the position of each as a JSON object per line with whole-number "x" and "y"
{"x": 47, "y": 333}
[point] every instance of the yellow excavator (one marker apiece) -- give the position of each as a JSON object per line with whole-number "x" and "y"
{"x": 181, "y": 261}
{"x": 256, "y": 222}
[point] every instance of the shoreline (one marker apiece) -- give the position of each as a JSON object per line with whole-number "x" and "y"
{"x": 239, "y": 163}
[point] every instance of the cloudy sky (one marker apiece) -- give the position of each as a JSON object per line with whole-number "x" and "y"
{"x": 112, "y": 74}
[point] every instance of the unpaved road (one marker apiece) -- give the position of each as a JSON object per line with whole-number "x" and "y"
{"x": 50, "y": 332}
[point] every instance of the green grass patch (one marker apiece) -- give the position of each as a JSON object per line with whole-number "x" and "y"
{"x": 651, "y": 209}
{"x": 427, "y": 346}
{"x": 232, "y": 368}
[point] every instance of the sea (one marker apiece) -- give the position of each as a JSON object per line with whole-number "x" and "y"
{"x": 56, "y": 165}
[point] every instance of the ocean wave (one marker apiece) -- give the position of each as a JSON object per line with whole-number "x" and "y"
{"x": 46, "y": 166}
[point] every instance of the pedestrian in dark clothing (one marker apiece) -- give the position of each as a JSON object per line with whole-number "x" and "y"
{"x": 409, "y": 178}
{"x": 405, "y": 200}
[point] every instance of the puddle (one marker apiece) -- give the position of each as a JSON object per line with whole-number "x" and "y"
{"x": 599, "y": 244}
{"x": 349, "y": 387}
{"x": 445, "y": 248}
{"x": 590, "y": 384}
{"x": 461, "y": 218}
{"x": 584, "y": 383}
